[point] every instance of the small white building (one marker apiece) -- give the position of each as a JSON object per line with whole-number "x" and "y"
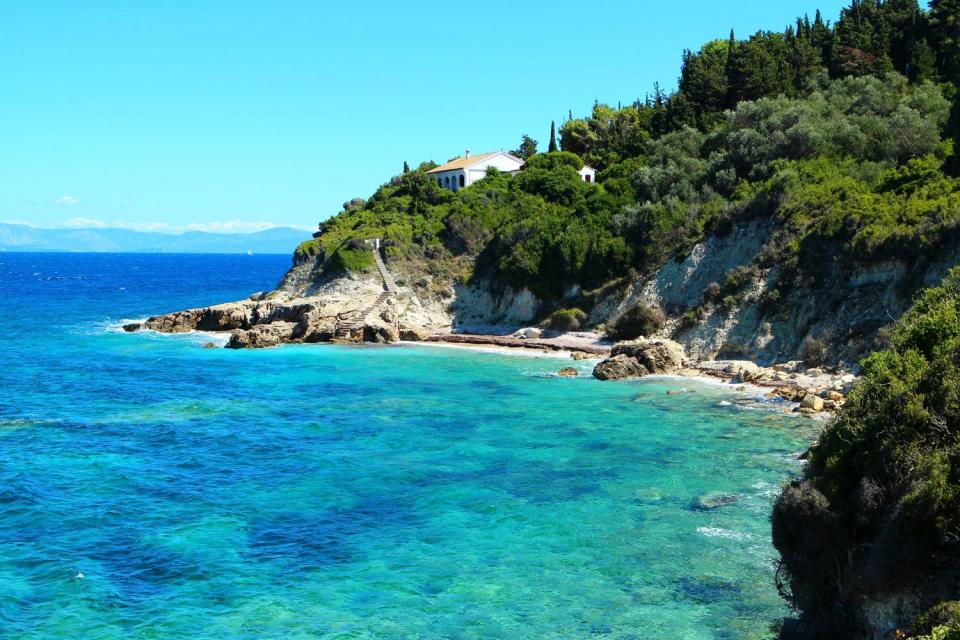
{"x": 588, "y": 174}
{"x": 463, "y": 172}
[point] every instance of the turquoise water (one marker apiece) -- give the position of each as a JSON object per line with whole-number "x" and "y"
{"x": 152, "y": 488}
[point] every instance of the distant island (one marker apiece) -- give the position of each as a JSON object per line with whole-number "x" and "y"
{"x": 21, "y": 237}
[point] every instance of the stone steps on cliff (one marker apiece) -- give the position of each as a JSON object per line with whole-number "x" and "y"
{"x": 349, "y": 326}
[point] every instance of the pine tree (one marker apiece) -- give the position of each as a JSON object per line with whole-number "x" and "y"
{"x": 553, "y": 137}
{"x": 406, "y": 167}
{"x": 945, "y": 30}
{"x": 527, "y": 148}
{"x": 923, "y": 62}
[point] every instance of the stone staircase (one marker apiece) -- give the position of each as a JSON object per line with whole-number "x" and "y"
{"x": 348, "y": 326}
{"x": 388, "y": 282}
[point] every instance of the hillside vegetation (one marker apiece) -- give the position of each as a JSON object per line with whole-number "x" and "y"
{"x": 844, "y": 140}
{"x": 876, "y": 515}
{"x": 825, "y": 159}
{"x": 842, "y": 134}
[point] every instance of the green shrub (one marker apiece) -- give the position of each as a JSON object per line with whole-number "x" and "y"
{"x": 640, "y": 320}
{"x": 728, "y": 303}
{"x": 771, "y": 300}
{"x": 351, "y": 258}
{"x": 813, "y": 352}
{"x": 711, "y": 292}
{"x": 942, "y": 633}
{"x": 884, "y": 479}
{"x": 941, "y": 619}
{"x": 567, "y": 319}
{"x": 307, "y": 249}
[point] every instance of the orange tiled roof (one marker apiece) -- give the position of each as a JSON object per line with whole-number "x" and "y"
{"x": 461, "y": 163}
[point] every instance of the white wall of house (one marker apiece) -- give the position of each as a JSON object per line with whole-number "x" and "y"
{"x": 456, "y": 179}
{"x": 451, "y": 179}
{"x": 502, "y": 161}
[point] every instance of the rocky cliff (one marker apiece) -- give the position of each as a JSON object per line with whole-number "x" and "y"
{"x": 723, "y": 299}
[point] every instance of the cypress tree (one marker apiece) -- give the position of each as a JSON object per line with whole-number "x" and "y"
{"x": 553, "y": 137}
{"x": 731, "y": 71}
{"x": 406, "y": 167}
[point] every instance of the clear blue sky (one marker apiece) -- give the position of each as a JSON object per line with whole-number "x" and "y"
{"x": 239, "y": 114}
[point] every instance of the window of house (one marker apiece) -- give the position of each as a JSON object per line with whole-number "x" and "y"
{"x": 462, "y": 180}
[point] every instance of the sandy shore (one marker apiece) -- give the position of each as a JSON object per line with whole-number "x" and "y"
{"x": 791, "y": 387}
{"x": 588, "y": 344}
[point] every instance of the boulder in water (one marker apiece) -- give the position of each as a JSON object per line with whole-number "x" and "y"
{"x": 643, "y": 357}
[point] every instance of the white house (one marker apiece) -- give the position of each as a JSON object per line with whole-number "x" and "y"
{"x": 463, "y": 172}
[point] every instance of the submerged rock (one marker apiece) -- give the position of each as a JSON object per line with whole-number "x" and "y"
{"x": 640, "y": 358}
{"x": 714, "y": 501}
{"x": 568, "y": 372}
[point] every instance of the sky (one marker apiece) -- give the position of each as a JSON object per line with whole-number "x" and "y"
{"x": 242, "y": 115}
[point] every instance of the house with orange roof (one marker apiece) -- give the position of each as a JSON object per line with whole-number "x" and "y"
{"x": 464, "y": 171}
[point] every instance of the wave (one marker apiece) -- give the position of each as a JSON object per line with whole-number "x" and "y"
{"x": 717, "y": 532}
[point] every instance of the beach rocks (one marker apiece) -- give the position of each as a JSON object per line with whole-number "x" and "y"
{"x": 314, "y": 326}
{"x": 743, "y": 370}
{"x": 224, "y": 318}
{"x": 413, "y": 334}
{"x": 264, "y": 335}
{"x": 811, "y": 402}
{"x": 640, "y": 358}
{"x": 380, "y": 332}
{"x": 568, "y": 372}
{"x": 830, "y": 394}
{"x": 530, "y": 333}
{"x": 179, "y": 322}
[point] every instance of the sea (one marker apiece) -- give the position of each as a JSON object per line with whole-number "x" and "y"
{"x": 154, "y": 487}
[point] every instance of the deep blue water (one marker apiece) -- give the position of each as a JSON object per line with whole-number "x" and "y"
{"x": 152, "y": 488}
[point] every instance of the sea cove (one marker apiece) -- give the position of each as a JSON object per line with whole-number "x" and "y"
{"x": 155, "y": 488}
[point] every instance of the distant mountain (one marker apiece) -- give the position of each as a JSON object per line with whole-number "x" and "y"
{"x": 20, "y": 237}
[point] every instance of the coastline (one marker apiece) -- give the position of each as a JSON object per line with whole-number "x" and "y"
{"x": 791, "y": 388}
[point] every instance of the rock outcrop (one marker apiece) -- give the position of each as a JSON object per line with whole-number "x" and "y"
{"x": 265, "y": 335}
{"x": 640, "y": 358}
{"x": 308, "y": 309}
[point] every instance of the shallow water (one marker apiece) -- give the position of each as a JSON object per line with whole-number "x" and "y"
{"x": 151, "y": 488}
